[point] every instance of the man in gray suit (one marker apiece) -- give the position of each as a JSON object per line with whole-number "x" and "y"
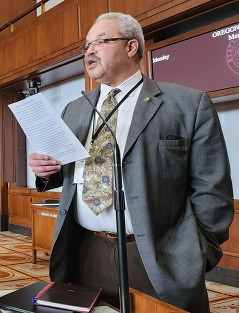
{"x": 176, "y": 179}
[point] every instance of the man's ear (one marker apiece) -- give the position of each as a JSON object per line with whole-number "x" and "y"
{"x": 132, "y": 46}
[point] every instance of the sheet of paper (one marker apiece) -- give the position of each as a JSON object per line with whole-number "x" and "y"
{"x": 46, "y": 131}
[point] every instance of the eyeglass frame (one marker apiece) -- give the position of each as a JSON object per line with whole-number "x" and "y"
{"x": 85, "y": 47}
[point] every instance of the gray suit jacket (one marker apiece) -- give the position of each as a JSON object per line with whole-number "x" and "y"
{"x": 177, "y": 186}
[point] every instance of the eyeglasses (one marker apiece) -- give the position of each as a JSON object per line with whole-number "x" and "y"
{"x": 98, "y": 44}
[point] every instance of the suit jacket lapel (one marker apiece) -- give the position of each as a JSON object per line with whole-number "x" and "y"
{"x": 146, "y": 106}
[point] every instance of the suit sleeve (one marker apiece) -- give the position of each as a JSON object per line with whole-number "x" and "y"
{"x": 54, "y": 181}
{"x": 211, "y": 187}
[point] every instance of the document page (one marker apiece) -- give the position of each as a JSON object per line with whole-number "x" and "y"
{"x": 46, "y": 131}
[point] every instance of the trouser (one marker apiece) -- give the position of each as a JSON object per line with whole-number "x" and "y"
{"x": 96, "y": 265}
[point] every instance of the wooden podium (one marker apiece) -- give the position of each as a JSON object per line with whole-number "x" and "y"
{"x": 142, "y": 303}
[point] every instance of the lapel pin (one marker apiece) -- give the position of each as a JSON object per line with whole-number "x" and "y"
{"x": 147, "y": 99}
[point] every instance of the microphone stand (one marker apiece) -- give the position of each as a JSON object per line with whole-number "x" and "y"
{"x": 119, "y": 205}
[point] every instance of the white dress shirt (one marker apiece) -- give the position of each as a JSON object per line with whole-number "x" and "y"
{"x": 106, "y": 221}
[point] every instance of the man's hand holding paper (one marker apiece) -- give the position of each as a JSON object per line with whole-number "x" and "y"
{"x": 43, "y": 165}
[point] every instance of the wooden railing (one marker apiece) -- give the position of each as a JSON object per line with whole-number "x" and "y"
{"x": 22, "y": 15}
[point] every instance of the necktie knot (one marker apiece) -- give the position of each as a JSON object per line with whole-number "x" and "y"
{"x": 113, "y": 92}
{"x": 109, "y": 105}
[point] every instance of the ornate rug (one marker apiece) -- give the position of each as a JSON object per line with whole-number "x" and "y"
{"x": 18, "y": 271}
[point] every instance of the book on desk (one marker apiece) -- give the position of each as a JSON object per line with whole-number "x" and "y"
{"x": 21, "y": 300}
{"x": 67, "y": 296}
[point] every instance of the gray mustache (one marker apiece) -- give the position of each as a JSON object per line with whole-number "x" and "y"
{"x": 92, "y": 58}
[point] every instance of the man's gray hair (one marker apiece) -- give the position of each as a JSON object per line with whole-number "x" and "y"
{"x": 129, "y": 27}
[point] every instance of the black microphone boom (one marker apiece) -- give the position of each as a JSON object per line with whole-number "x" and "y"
{"x": 119, "y": 205}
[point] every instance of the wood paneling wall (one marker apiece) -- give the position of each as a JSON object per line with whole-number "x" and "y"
{"x": 51, "y": 38}
{"x": 11, "y": 9}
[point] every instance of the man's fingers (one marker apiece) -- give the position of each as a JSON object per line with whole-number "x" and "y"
{"x": 43, "y": 165}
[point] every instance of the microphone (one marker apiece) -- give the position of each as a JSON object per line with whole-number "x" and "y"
{"x": 119, "y": 205}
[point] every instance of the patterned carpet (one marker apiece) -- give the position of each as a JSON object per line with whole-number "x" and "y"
{"x": 16, "y": 267}
{"x": 17, "y": 271}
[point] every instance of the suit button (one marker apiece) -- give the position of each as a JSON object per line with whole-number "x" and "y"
{"x": 63, "y": 212}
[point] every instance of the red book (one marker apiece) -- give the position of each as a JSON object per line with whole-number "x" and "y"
{"x": 67, "y": 296}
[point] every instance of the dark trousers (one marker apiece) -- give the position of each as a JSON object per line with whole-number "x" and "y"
{"x": 96, "y": 265}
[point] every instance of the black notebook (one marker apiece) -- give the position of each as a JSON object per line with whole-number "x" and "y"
{"x": 21, "y": 300}
{"x": 67, "y": 296}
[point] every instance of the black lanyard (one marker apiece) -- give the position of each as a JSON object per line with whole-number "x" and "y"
{"x": 95, "y": 135}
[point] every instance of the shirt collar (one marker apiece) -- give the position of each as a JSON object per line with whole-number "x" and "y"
{"x": 124, "y": 87}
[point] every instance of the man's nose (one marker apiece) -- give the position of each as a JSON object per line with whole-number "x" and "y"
{"x": 90, "y": 50}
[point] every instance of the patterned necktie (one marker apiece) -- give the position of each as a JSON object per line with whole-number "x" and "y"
{"x": 98, "y": 184}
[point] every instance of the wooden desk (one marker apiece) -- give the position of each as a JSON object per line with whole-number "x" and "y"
{"x": 43, "y": 225}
